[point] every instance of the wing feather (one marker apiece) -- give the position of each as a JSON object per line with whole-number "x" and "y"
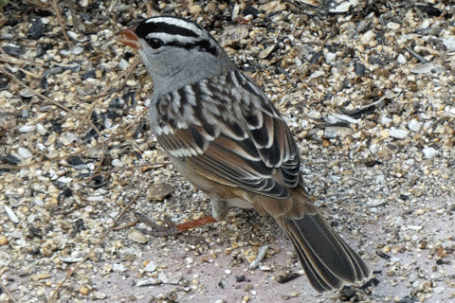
{"x": 236, "y": 138}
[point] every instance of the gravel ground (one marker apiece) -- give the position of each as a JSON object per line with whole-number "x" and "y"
{"x": 366, "y": 86}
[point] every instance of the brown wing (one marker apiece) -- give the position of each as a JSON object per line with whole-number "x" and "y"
{"x": 237, "y": 138}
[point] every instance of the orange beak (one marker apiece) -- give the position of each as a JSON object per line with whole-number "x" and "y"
{"x": 129, "y": 37}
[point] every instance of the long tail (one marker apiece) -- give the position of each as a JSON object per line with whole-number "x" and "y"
{"x": 327, "y": 260}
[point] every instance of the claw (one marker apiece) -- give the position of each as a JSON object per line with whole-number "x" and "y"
{"x": 161, "y": 231}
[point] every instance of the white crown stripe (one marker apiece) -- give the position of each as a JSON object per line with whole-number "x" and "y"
{"x": 188, "y": 25}
{"x": 165, "y": 37}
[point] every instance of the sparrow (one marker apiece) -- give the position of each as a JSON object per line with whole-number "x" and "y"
{"x": 224, "y": 135}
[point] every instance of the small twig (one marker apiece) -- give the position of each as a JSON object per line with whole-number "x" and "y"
{"x": 416, "y": 55}
{"x": 34, "y": 2}
{"x": 111, "y": 228}
{"x": 127, "y": 225}
{"x": 29, "y": 73}
{"x": 16, "y": 61}
{"x": 60, "y": 21}
{"x": 77, "y": 24}
{"x": 149, "y": 9}
{"x": 7, "y": 292}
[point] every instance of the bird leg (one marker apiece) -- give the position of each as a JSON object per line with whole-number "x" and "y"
{"x": 162, "y": 231}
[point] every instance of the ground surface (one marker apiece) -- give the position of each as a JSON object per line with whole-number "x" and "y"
{"x": 367, "y": 91}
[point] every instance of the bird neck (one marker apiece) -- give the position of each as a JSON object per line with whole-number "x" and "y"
{"x": 176, "y": 76}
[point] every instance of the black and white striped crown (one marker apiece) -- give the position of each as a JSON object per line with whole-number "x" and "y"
{"x": 175, "y": 31}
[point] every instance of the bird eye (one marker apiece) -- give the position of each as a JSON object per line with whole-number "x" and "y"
{"x": 155, "y": 43}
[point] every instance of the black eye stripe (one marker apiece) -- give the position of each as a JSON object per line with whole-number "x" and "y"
{"x": 203, "y": 45}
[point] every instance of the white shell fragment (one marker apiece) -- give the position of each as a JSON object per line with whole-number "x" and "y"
{"x": 449, "y": 43}
{"x": 24, "y": 153}
{"x": 342, "y": 6}
{"x": 398, "y": 133}
{"x": 428, "y": 68}
{"x": 148, "y": 282}
{"x": 11, "y": 215}
{"x": 150, "y": 267}
{"x": 430, "y": 152}
{"x": 415, "y": 125}
{"x": 260, "y": 256}
{"x": 27, "y": 128}
{"x": 136, "y": 236}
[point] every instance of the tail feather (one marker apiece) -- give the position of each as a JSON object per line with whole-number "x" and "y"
{"x": 314, "y": 277}
{"x": 327, "y": 260}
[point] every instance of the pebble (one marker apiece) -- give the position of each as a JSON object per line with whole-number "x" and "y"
{"x": 136, "y": 236}
{"x": 83, "y": 290}
{"x": 77, "y": 50}
{"x": 150, "y": 267}
{"x": 399, "y": 221}
{"x": 393, "y": 25}
{"x": 162, "y": 277}
{"x": 195, "y": 10}
{"x": 367, "y": 37}
{"x": 398, "y": 133}
{"x": 430, "y": 152}
{"x": 385, "y": 120}
{"x": 97, "y": 295}
{"x": 24, "y": 153}
{"x": 409, "y": 161}
{"x": 330, "y": 57}
{"x": 41, "y": 129}
{"x": 449, "y": 43}
{"x": 117, "y": 163}
{"x": 123, "y": 64}
{"x": 25, "y": 114}
{"x": 3, "y": 240}
{"x": 420, "y": 212}
{"x": 27, "y": 128}
{"x": 266, "y": 52}
{"x": 438, "y": 289}
{"x": 39, "y": 277}
{"x": 118, "y": 267}
{"x": 175, "y": 279}
{"x": 415, "y": 125}
{"x": 401, "y": 59}
{"x": 374, "y": 148}
{"x": 314, "y": 115}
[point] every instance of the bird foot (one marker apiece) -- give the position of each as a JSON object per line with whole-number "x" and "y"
{"x": 171, "y": 229}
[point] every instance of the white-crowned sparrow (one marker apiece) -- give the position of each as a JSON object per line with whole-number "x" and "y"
{"x": 225, "y": 136}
